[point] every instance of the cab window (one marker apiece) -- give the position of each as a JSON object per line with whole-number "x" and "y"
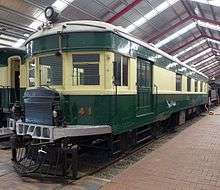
{"x": 51, "y": 72}
{"x": 31, "y": 73}
{"x": 121, "y": 70}
{"x": 86, "y": 69}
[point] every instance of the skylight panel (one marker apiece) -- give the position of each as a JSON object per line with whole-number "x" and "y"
{"x": 204, "y": 61}
{"x": 5, "y": 42}
{"x": 19, "y": 43}
{"x": 159, "y": 9}
{"x": 209, "y": 25}
{"x": 190, "y": 48}
{"x": 60, "y": 5}
{"x": 198, "y": 55}
{"x": 176, "y": 34}
{"x": 214, "y": 41}
{"x": 208, "y": 66}
{"x": 35, "y": 24}
{"x": 209, "y": 2}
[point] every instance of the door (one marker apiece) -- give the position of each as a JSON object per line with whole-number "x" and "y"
{"x": 17, "y": 85}
{"x": 144, "y": 88}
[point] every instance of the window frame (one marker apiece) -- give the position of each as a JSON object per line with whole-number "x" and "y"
{"x": 189, "y": 87}
{"x": 121, "y": 82}
{"x": 81, "y": 63}
{"x": 179, "y": 88}
{"x": 34, "y": 60}
{"x": 39, "y": 69}
{"x": 196, "y": 85}
{"x": 201, "y": 86}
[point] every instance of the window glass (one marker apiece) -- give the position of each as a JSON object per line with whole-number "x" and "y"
{"x": 196, "y": 86}
{"x": 188, "y": 84}
{"x": 121, "y": 70}
{"x": 201, "y": 86}
{"x": 86, "y": 69}
{"x": 125, "y": 71}
{"x": 31, "y": 73}
{"x": 143, "y": 73}
{"x": 51, "y": 70}
{"x": 178, "y": 82}
{"x": 45, "y": 74}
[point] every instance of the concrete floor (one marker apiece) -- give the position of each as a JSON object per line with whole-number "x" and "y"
{"x": 189, "y": 161}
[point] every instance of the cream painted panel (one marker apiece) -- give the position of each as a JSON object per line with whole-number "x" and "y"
{"x": 23, "y": 76}
{"x": 164, "y": 79}
{"x": 198, "y": 86}
{"x": 184, "y": 83}
{"x": 4, "y": 76}
{"x": 132, "y": 74}
{"x": 192, "y": 85}
{"x": 67, "y": 70}
{"x": 108, "y": 70}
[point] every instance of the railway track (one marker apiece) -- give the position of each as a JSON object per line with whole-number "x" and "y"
{"x": 145, "y": 145}
{"x": 93, "y": 164}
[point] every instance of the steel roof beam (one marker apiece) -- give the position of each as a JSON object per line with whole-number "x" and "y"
{"x": 191, "y": 41}
{"x": 211, "y": 70}
{"x": 19, "y": 27}
{"x": 169, "y": 29}
{"x": 211, "y": 67}
{"x": 214, "y": 74}
{"x": 1, "y": 44}
{"x": 187, "y": 43}
{"x": 12, "y": 34}
{"x": 123, "y": 11}
{"x": 202, "y": 51}
{"x": 207, "y": 63}
{"x": 180, "y": 23}
{"x": 204, "y": 59}
{"x": 196, "y": 53}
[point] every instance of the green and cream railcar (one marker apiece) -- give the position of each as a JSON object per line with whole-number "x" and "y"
{"x": 107, "y": 80}
{"x": 12, "y": 84}
{"x": 87, "y": 80}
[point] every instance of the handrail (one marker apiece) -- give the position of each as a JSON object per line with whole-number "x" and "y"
{"x": 156, "y": 95}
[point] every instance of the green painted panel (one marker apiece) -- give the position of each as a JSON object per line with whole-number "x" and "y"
{"x": 7, "y": 97}
{"x": 120, "y": 111}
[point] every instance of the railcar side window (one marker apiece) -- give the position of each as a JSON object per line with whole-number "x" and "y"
{"x": 188, "y": 84}
{"x": 121, "y": 70}
{"x": 178, "y": 82}
{"x": 51, "y": 70}
{"x": 143, "y": 73}
{"x": 196, "y": 86}
{"x": 201, "y": 86}
{"x": 86, "y": 69}
{"x": 31, "y": 73}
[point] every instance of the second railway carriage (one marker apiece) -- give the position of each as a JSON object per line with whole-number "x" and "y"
{"x": 12, "y": 84}
{"x": 90, "y": 80}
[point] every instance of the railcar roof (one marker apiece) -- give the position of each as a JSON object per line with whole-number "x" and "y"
{"x": 6, "y": 52}
{"x": 89, "y": 25}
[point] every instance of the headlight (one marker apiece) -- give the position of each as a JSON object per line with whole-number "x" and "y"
{"x": 55, "y": 113}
